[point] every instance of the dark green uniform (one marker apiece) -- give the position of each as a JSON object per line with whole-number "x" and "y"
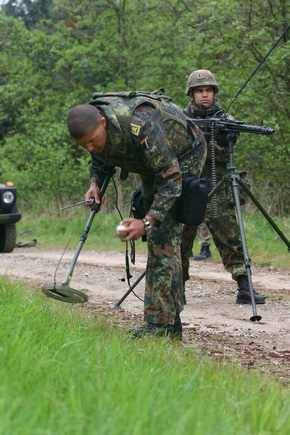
{"x": 223, "y": 228}
{"x": 157, "y": 140}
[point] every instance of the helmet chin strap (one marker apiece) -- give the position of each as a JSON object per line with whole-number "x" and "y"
{"x": 203, "y": 111}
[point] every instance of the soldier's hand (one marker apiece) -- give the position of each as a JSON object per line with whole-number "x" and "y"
{"x": 94, "y": 194}
{"x": 134, "y": 229}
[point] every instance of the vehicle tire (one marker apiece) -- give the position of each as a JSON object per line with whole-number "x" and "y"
{"x": 7, "y": 237}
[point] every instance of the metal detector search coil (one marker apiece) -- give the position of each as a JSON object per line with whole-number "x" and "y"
{"x": 64, "y": 293}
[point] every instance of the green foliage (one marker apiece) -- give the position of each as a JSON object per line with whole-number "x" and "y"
{"x": 64, "y": 371}
{"x": 54, "y": 54}
{"x": 31, "y": 12}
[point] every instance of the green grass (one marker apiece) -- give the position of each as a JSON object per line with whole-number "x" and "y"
{"x": 66, "y": 372}
{"x": 56, "y": 232}
{"x": 265, "y": 247}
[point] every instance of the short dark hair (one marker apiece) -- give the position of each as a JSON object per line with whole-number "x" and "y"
{"x": 82, "y": 119}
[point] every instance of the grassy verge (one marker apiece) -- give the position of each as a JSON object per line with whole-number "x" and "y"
{"x": 63, "y": 372}
{"x": 56, "y": 232}
{"x": 264, "y": 245}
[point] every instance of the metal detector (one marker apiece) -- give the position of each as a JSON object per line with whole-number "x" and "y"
{"x": 63, "y": 292}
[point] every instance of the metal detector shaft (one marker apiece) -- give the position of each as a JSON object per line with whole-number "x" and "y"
{"x": 94, "y": 210}
{"x": 117, "y": 304}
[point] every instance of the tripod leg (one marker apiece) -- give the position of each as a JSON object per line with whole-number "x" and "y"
{"x": 117, "y": 304}
{"x": 255, "y": 317}
{"x": 216, "y": 188}
{"x": 264, "y": 213}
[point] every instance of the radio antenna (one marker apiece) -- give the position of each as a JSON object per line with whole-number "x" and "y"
{"x": 260, "y": 64}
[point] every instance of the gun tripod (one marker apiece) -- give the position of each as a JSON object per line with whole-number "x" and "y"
{"x": 233, "y": 179}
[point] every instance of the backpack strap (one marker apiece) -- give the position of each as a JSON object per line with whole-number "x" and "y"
{"x": 158, "y": 94}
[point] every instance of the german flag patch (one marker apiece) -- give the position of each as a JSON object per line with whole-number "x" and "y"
{"x": 135, "y": 129}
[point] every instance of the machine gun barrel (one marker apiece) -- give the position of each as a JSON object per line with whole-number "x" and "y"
{"x": 231, "y": 126}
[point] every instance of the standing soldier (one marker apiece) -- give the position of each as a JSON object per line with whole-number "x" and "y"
{"x": 152, "y": 137}
{"x": 202, "y": 88}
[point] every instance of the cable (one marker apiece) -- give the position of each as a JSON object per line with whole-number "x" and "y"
{"x": 59, "y": 261}
{"x": 132, "y": 243}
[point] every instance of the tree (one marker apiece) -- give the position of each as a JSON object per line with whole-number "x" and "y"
{"x": 64, "y": 50}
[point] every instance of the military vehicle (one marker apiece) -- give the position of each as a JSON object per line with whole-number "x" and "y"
{"x": 9, "y": 216}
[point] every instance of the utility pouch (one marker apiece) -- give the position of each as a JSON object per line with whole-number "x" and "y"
{"x": 137, "y": 204}
{"x": 190, "y": 207}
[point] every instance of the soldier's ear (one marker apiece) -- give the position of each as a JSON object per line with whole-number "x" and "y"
{"x": 103, "y": 122}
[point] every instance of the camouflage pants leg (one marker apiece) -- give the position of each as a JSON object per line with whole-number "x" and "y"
{"x": 204, "y": 237}
{"x": 164, "y": 287}
{"x": 188, "y": 236}
{"x": 225, "y": 232}
{"x": 226, "y": 235}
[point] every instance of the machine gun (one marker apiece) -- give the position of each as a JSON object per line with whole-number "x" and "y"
{"x": 223, "y": 125}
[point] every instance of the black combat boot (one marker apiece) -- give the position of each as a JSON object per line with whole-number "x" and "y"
{"x": 177, "y": 327}
{"x": 184, "y": 295}
{"x": 244, "y": 295}
{"x": 152, "y": 330}
{"x": 204, "y": 253}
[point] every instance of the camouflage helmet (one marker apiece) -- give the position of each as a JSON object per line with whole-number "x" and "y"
{"x": 201, "y": 77}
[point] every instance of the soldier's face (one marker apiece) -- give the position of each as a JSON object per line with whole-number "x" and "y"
{"x": 94, "y": 141}
{"x": 203, "y": 95}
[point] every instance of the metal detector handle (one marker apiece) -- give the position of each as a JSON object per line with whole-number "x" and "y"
{"x": 94, "y": 210}
{"x": 86, "y": 201}
{"x": 103, "y": 189}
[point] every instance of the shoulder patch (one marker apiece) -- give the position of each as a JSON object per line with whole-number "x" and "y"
{"x": 135, "y": 129}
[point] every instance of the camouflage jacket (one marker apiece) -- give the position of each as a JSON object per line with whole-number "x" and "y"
{"x": 151, "y": 137}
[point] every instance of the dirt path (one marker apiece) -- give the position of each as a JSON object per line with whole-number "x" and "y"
{"x": 213, "y": 323}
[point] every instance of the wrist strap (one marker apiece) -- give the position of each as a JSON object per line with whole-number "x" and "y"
{"x": 147, "y": 224}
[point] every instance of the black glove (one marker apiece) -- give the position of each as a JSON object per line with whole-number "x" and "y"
{"x": 223, "y": 138}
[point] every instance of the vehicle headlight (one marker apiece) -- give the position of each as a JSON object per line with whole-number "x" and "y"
{"x": 8, "y": 197}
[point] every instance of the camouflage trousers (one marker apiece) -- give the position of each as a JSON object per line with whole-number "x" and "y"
{"x": 225, "y": 232}
{"x": 204, "y": 237}
{"x": 164, "y": 285}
